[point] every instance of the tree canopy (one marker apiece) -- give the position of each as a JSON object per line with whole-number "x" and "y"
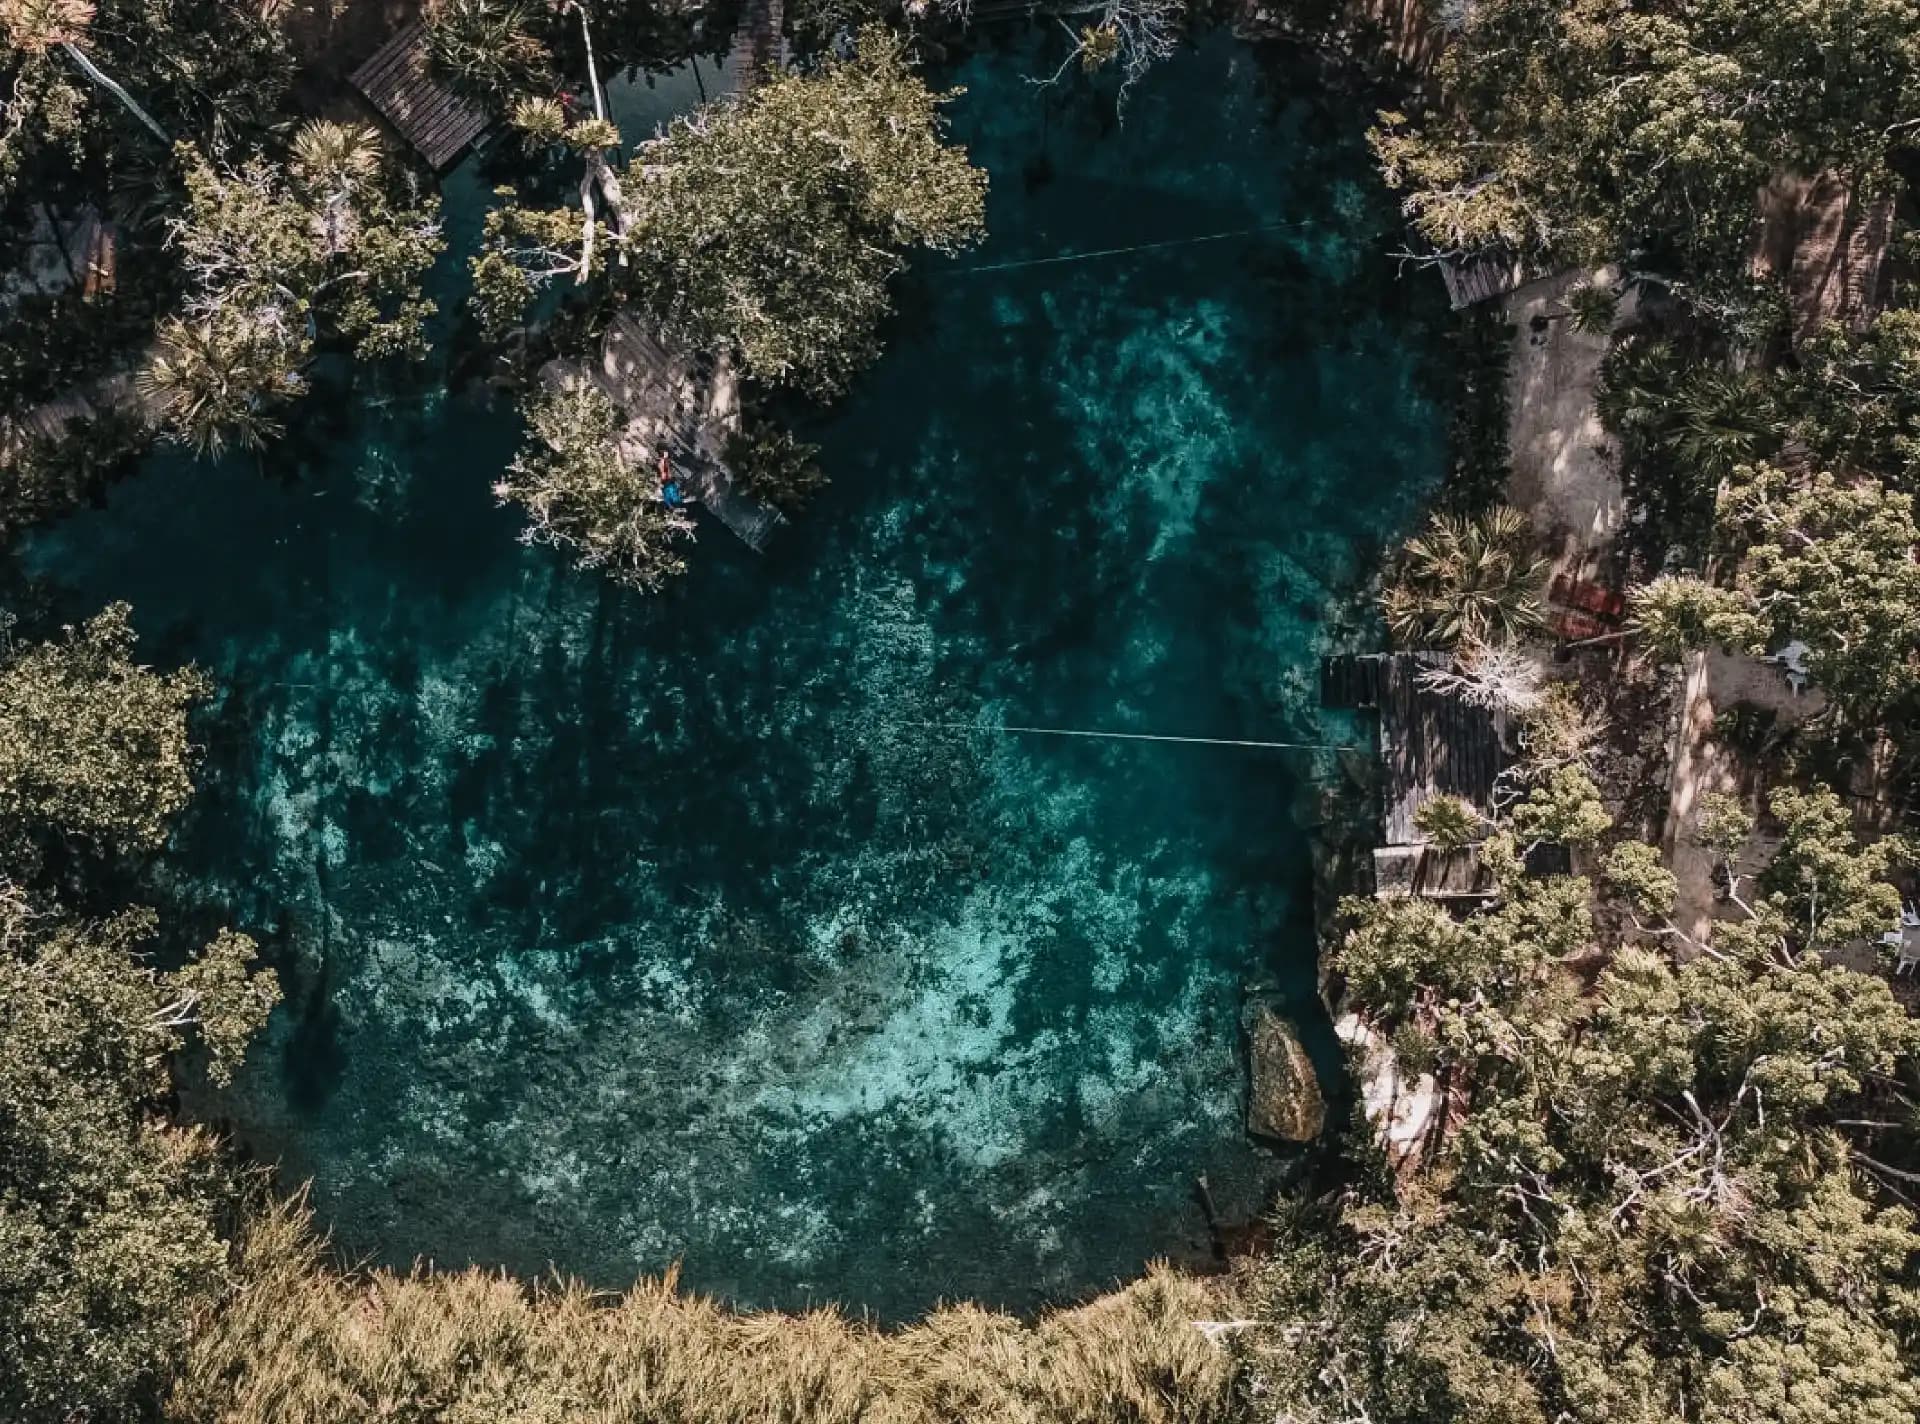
{"x": 93, "y": 747}
{"x": 768, "y": 226}
{"x": 1820, "y": 560}
{"x": 773, "y": 227}
{"x": 335, "y": 245}
{"x": 110, "y": 1215}
{"x": 1656, "y": 1198}
{"x": 583, "y": 496}
{"x": 1591, "y": 130}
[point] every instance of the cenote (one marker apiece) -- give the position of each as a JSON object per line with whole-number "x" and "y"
{"x": 621, "y": 931}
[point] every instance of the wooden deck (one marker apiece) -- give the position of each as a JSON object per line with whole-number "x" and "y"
{"x": 1431, "y": 744}
{"x": 758, "y": 46}
{"x": 438, "y": 123}
{"x": 83, "y": 405}
{"x": 1482, "y": 277}
{"x": 679, "y": 405}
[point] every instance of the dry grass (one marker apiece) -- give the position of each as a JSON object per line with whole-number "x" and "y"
{"x": 300, "y": 1343}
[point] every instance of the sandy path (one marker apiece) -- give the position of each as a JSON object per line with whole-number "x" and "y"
{"x": 1564, "y": 464}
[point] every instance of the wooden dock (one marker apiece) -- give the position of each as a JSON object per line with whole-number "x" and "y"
{"x": 437, "y": 122}
{"x": 81, "y": 405}
{"x": 1431, "y": 743}
{"x": 679, "y": 405}
{"x": 759, "y": 46}
{"x": 1482, "y": 277}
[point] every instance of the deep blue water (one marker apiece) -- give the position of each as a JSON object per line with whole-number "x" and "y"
{"x": 619, "y": 930}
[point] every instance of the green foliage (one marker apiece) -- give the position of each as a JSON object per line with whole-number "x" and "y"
{"x": 1581, "y": 130}
{"x": 1822, "y": 561}
{"x": 205, "y": 69}
{"x": 333, "y": 247}
{"x": 1448, "y": 822}
{"x": 489, "y": 49}
{"x": 1648, "y": 1193}
{"x": 1854, "y": 400}
{"x": 1830, "y": 562}
{"x": 1467, "y": 581}
{"x": 1479, "y": 463}
{"x": 218, "y": 993}
{"x": 772, "y": 226}
{"x": 41, "y": 476}
{"x": 775, "y": 466}
{"x": 1565, "y": 810}
{"x": 93, "y": 747}
{"x": 540, "y": 121}
{"x": 522, "y": 248}
{"x": 1825, "y": 889}
{"x": 1685, "y": 424}
{"x": 222, "y": 379}
{"x": 1592, "y": 308}
{"x": 1634, "y": 872}
{"x": 1408, "y": 959}
{"x": 108, "y": 1215}
{"x": 581, "y": 495}
{"x": 1725, "y": 826}
{"x": 591, "y": 134}
{"x": 1678, "y": 614}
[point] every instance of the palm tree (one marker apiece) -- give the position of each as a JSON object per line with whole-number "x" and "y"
{"x": 217, "y": 380}
{"x": 488, "y": 48}
{"x": 1723, "y": 419}
{"x": 330, "y": 162}
{"x": 540, "y": 121}
{"x": 1467, "y": 581}
{"x": 1592, "y": 308}
{"x": 328, "y": 157}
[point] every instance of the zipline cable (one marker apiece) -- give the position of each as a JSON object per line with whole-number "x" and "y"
{"x": 1136, "y": 247}
{"x": 1133, "y": 736}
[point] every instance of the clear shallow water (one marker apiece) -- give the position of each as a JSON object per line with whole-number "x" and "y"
{"x": 617, "y": 931}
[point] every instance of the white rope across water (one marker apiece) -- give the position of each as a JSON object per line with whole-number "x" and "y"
{"x": 1134, "y": 736}
{"x": 1136, "y": 247}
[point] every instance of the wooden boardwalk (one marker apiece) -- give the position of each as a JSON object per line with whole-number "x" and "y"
{"x": 758, "y": 46}
{"x": 1482, "y": 277}
{"x": 678, "y": 405}
{"x": 1431, "y": 743}
{"x": 438, "y": 123}
{"x": 82, "y": 405}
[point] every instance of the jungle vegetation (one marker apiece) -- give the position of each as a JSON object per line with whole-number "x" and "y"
{"x": 1678, "y": 1174}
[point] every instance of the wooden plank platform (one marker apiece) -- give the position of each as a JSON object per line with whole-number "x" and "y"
{"x": 435, "y": 121}
{"x": 758, "y": 46}
{"x": 1431, "y": 743}
{"x": 679, "y": 405}
{"x": 1482, "y": 277}
{"x": 82, "y": 405}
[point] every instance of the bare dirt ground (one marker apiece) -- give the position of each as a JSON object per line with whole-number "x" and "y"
{"x": 1711, "y": 683}
{"x": 1565, "y": 465}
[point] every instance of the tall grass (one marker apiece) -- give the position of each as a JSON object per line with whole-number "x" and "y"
{"x": 298, "y": 1342}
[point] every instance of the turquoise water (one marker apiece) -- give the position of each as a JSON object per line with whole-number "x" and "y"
{"x": 620, "y": 931}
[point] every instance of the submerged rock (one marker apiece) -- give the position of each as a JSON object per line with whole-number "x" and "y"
{"x": 1283, "y": 1095}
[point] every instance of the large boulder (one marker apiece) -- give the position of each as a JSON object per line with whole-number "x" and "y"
{"x": 1403, "y": 1111}
{"x": 1283, "y": 1096}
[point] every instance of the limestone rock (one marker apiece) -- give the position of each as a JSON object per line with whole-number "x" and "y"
{"x": 1283, "y": 1096}
{"x": 1401, "y": 1111}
